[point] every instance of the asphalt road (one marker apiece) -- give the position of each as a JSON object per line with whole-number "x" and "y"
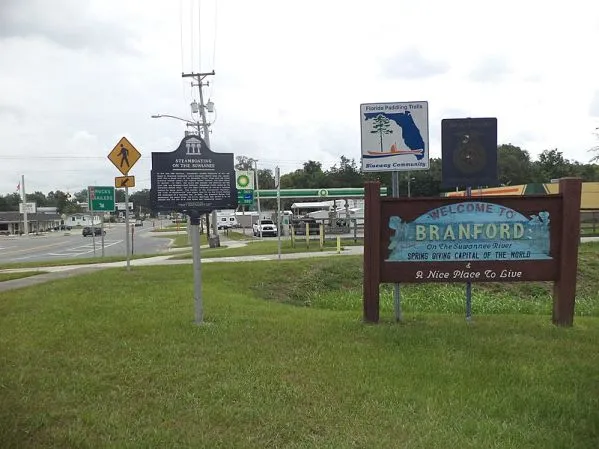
{"x": 72, "y": 245}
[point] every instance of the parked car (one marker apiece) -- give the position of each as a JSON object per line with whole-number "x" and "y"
{"x": 265, "y": 227}
{"x": 299, "y": 226}
{"x": 62, "y": 228}
{"x": 88, "y": 231}
{"x": 139, "y": 222}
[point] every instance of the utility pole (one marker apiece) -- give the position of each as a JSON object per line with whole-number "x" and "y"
{"x": 199, "y": 78}
{"x": 25, "y": 219}
{"x": 258, "y": 199}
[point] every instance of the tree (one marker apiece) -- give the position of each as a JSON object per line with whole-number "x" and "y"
{"x": 381, "y": 126}
{"x": 81, "y": 196}
{"x": 244, "y": 163}
{"x": 141, "y": 199}
{"x": 552, "y": 165}
{"x": 10, "y": 202}
{"x": 38, "y": 198}
{"x": 346, "y": 175}
{"x": 513, "y": 165}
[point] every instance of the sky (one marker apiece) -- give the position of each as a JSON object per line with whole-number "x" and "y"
{"x": 77, "y": 75}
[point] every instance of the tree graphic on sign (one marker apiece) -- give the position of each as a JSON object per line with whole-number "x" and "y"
{"x": 382, "y": 126}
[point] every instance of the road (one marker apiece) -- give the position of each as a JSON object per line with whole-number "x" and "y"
{"x": 72, "y": 245}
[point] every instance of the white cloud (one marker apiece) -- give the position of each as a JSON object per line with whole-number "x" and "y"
{"x": 411, "y": 64}
{"x": 77, "y": 75}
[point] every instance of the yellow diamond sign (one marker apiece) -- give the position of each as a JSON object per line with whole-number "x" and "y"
{"x": 124, "y": 155}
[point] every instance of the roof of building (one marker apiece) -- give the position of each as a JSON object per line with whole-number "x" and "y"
{"x": 16, "y": 217}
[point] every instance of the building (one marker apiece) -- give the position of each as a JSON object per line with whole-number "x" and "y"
{"x": 11, "y": 223}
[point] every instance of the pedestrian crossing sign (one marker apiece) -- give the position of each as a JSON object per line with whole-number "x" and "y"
{"x": 124, "y": 156}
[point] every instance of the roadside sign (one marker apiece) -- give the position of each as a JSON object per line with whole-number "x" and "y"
{"x": 244, "y": 179}
{"x": 244, "y": 182}
{"x": 193, "y": 179}
{"x": 245, "y": 196}
{"x": 469, "y": 150}
{"x": 124, "y": 155}
{"x": 101, "y": 198}
{"x": 124, "y": 181}
{"x": 394, "y": 136}
{"x": 30, "y": 208}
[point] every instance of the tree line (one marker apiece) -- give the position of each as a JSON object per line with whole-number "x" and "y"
{"x": 515, "y": 166}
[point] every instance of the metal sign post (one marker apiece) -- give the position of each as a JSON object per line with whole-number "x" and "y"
{"x": 469, "y": 283}
{"x": 279, "y": 215}
{"x": 396, "y": 286}
{"x": 124, "y": 156}
{"x": 93, "y": 233}
{"x": 194, "y": 220}
{"x": 193, "y": 180}
{"x": 127, "y": 244}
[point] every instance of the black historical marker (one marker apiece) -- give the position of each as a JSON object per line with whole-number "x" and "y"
{"x": 469, "y": 152}
{"x": 193, "y": 179}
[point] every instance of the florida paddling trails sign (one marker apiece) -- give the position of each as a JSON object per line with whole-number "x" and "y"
{"x": 503, "y": 238}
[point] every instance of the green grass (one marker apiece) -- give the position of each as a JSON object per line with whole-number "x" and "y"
{"x": 181, "y": 241}
{"x": 76, "y": 261}
{"x": 11, "y": 276}
{"x": 114, "y": 360}
{"x": 171, "y": 230}
{"x": 336, "y": 284}
{"x": 270, "y": 246}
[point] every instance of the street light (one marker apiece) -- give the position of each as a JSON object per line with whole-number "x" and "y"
{"x": 196, "y": 125}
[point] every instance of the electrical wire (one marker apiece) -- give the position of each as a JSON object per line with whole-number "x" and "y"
{"x": 181, "y": 40}
{"x": 199, "y": 36}
{"x": 214, "y": 46}
{"x": 191, "y": 3}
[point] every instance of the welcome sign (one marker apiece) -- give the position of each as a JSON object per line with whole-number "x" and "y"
{"x": 470, "y": 231}
{"x": 503, "y": 238}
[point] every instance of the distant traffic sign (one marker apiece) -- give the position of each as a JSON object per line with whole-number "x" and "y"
{"x": 124, "y": 155}
{"x": 101, "y": 198}
{"x": 124, "y": 181}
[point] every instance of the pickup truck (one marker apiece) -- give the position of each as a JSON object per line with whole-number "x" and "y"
{"x": 268, "y": 227}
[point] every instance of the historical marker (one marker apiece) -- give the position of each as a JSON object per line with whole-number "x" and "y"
{"x": 469, "y": 152}
{"x": 192, "y": 178}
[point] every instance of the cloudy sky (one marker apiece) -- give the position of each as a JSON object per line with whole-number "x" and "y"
{"x": 76, "y": 75}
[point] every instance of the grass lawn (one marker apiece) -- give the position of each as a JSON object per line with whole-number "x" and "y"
{"x": 75, "y": 261}
{"x": 114, "y": 360}
{"x": 181, "y": 241}
{"x": 11, "y": 276}
{"x": 269, "y": 246}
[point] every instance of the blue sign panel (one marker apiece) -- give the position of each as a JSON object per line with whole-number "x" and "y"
{"x": 470, "y": 231}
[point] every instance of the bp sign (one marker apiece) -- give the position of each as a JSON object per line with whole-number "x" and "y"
{"x": 101, "y": 198}
{"x": 244, "y": 180}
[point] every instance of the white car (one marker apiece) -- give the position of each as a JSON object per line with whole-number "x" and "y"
{"x": 268, "y": 227}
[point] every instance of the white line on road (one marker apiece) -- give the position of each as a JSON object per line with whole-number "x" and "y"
{"x": 85, "y": 249}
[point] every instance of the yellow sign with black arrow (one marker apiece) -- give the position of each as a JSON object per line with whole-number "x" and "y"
{"x": 124, "y": 155}
{"x": 124, "y": 181}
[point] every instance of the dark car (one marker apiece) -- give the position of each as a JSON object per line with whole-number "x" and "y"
{"x": 88, "y": 231}
{"x": 299, "y": 226}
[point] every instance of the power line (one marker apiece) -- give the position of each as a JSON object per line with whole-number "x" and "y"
{"x": 199, "y": 35}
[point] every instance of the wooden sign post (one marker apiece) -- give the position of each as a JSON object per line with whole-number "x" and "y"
{"x": 498, "y": 239}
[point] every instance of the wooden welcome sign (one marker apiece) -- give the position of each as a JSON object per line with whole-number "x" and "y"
{"x": 495, "y": 239}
